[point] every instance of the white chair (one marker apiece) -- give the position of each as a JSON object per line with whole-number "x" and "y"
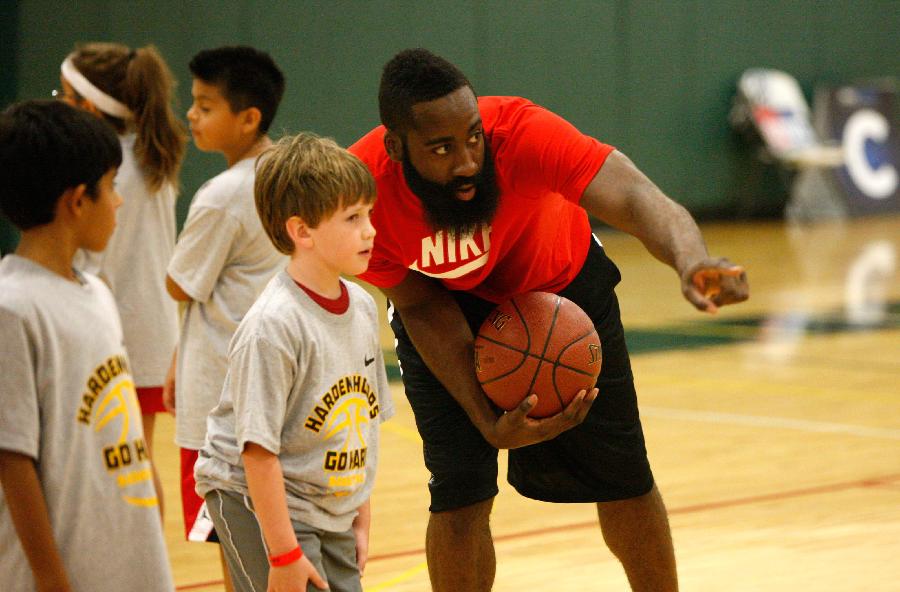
{"x": 771, "y": 102}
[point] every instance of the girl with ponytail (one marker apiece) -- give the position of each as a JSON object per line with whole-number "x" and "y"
{"x": 132, "y": 89}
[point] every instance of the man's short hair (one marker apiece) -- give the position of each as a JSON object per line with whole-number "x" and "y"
{"x": 47, "y": 147}
{"x": 310, "y": 177}
{"x": 414, "y": 76}
{"x": 246, "y": 77}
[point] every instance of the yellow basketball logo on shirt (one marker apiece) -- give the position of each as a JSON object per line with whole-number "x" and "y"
{"x": 109, "y": 399}
{"x": 344, "y": 412}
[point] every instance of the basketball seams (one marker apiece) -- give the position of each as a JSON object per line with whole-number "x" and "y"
{"x": 568, "y": 346}
{"x": 567, "y": 331}
{"x": 557, "y": 365}
{"x": 528, "y": 353}
{"x": 515, "y": 349}
{"x": 537, "y": 370}
{"x": 524, "y": 325}
{"x": 502, "y": 344}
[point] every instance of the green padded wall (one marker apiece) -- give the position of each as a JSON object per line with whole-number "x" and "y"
{"x": 9, "y": 15}
{"x": 653, "y": 78}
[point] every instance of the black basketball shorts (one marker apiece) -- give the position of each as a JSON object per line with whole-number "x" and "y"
{"x": 602, "y": 459}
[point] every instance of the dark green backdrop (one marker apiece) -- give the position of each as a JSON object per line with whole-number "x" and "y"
{"x": 652, "y": 77}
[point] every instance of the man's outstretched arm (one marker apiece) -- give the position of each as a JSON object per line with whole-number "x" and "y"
{"x": 623, "y": 197}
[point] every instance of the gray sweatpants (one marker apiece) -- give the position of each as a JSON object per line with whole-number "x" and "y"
{"x": 332, "y": 553}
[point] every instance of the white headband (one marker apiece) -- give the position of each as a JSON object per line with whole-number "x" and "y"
{"x": 100, "y": 99}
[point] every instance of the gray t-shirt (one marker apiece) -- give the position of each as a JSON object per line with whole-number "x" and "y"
{"x": 69, "y": 403}
{"x": 222, "y": 260}
{"x": 310, "y": 386}
{"x": 134, "y": 263}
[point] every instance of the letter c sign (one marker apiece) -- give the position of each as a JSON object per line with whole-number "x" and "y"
{"x": 865, "y": 137}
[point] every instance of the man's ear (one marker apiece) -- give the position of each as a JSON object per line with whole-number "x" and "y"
{"x": 250, "y": 118}
{"x": 393, "y": 145}
{"x": 298, "y": 231}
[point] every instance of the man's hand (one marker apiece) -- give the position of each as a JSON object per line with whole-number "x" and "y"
{"x": 712, "y": 283}
{"x": 515, "y": 429}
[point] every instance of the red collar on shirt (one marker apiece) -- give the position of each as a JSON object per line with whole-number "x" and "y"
{"x": 337, "y": 305}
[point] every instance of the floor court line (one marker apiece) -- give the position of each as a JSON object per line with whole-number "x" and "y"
{"x": 401, "y": 430}
{"x": 891, "y": 481}
{"x": 883, "y": 481}
{"x": 198, "y": 585}
{"x": 402, "y": 577}
{"x": 888, "y": 481}
{"x": 761, "y": 421}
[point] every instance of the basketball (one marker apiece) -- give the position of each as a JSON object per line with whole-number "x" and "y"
{"x": 539, "y": 343}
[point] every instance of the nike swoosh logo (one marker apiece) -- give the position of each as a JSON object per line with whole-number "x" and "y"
{"x": 457, "y": 272}
{"x": 368, "y": 360}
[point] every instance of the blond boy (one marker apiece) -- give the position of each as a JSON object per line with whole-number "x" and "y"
{"x": 292, "y": 447}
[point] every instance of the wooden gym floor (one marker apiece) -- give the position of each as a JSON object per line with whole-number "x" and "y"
{"x": 773, "y": 429}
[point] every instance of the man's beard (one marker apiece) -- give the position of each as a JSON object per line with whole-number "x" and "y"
{"x": 445, "y": 211}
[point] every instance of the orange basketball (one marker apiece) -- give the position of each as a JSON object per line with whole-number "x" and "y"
{"x": 537, "y": 343}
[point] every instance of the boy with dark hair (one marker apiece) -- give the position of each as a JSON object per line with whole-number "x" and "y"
{"x": 290, "y": 458}
{"x": 246, "y": 77}
{"x": 222, "y": 259}
{"x": 480, "y": 199}
{"x": 68, "y": 396}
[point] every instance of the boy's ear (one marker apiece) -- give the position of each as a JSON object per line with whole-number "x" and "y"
{"x": 250, "y": 118}
{"x": 298, "y": 231}
{"x": 393, "y": 145}
{"x": 71, "y": 202}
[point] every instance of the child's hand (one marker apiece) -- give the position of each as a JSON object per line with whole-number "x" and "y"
{"x": 168, "y": 394}
{"x": 361, "y": 532}
{"x": 293, "y": 577}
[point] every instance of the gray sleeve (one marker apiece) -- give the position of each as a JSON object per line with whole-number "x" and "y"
{"x": 202, "y": 251}
{"x": 20, "y": 429}
{"x": 385, "y": 400}
{"x": 259, "y": 381}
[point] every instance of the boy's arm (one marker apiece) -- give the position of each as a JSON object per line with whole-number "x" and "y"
{"x": 265, "y": 480}
{"x": 168, "y": 396}
{"x": 361, "y": 525}
{"x": 175, "y": 290}
{"x": 28, "y": 509}
{"x": 201, "y": 253}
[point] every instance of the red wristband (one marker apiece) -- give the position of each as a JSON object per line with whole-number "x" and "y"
{"x": 286, "y": 558}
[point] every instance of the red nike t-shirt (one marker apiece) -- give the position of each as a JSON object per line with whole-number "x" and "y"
{"x": 539, "y": 237}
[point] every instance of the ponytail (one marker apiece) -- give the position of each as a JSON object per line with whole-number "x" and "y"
{"x": 161, "y": 137}
{"x": 141, "y": 80}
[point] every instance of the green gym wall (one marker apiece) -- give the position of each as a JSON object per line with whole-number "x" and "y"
{"x": 654, "y": 78}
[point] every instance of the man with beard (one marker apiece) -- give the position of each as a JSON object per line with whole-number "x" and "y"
{"x": 480, "y": 199}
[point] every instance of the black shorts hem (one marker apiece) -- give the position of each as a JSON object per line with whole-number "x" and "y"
{"x": 462, "y": 501}
{"x": 569, "y": 497}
